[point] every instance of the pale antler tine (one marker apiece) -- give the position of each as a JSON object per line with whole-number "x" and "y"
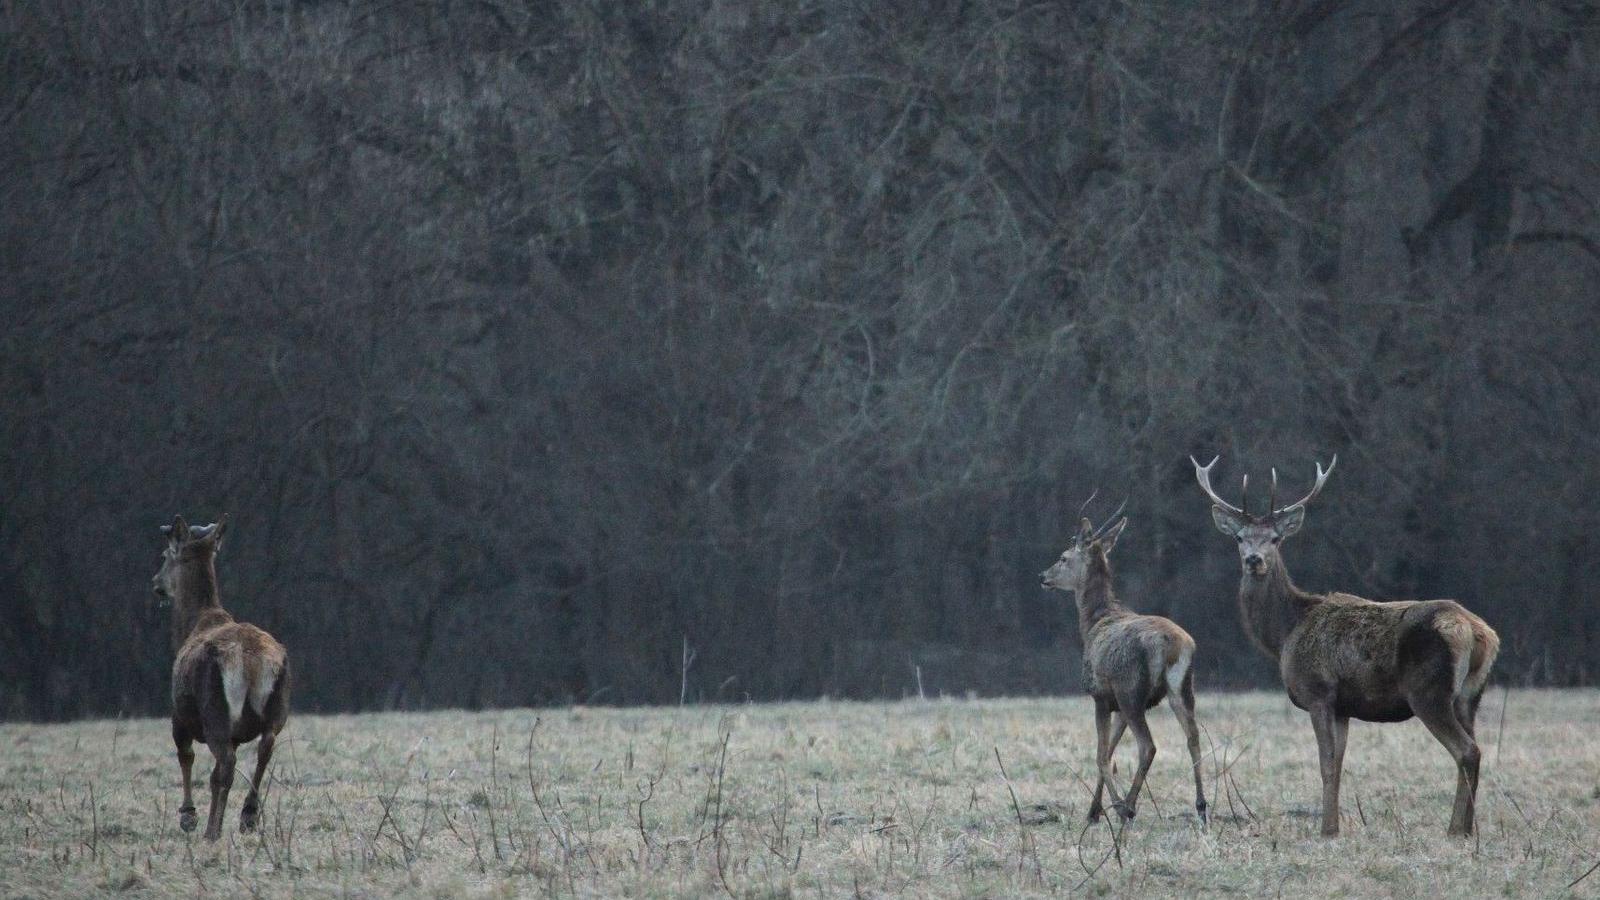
{"x": 1092, "y": 494}
{"x": 1202, "y": 474}
{"x": 1244, "y": 494}
{"x": 1106, "y": 525}
{"x": 1322, "y": 479}
{"x": 1272, "y": 493}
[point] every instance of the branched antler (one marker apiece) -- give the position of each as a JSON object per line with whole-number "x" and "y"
{"x": 1322, "y": 478}
{"x": 1202, "y": 474}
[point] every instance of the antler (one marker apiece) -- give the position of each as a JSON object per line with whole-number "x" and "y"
{"x": 1202, "y": 474}
{"x": 1322, "y": 478}
{"x": 1105, "y": 526}
{"x": 1092, "y": 494}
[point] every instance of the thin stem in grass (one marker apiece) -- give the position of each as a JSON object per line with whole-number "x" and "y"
{"x": 1590, "y": 871}
{"x": 1024, "y": 839}
{"x": 494, "y": 758}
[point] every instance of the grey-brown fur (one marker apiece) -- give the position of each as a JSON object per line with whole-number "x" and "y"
{"x": 230, "y": 680}
{"x": 1343, "y": 657}
{"x": 1131, "y": 662}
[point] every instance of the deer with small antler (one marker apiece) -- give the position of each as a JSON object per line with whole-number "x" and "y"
{"x": 230, "y": 680}
{"x": 1130, "y": 663}
{"x": 1344, "y": 657}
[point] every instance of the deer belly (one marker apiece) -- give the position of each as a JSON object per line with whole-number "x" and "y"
{"x": 1371, "y": 707}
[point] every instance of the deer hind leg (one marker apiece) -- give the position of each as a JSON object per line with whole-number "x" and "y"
{"x": 276, "y": 713}
{"x": 250, "y": 812}
{"x": 1107, "y": 746}
{"x": 187, "y": 819}
{"x": 1466, "y": 708}
{"x": 1332, "y": 731}
{"x": 1443, "y": 721}
{"x": 221, "y": 782}
{"x": 1133, "y": 712}
{"x": 1182, "y": 703}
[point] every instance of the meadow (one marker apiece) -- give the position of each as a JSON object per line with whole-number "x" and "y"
{"x": 939, "y": 798}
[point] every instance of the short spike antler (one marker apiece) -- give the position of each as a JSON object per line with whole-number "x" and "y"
{"x": 1272, "y": 494}
{"x": 1244, "y": 494}
{"x": 1202, "y": 474}
{"x": 1092, "y": 494}
{"x": 1322, "y": 478}
{"x": 1106, "y": 525}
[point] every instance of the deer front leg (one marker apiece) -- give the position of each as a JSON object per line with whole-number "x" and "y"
{"x": 187, "y": 819}
{"x": 1331, "y": 732}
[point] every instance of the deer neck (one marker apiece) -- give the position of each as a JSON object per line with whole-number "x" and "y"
{"x": 1096, "y": 599}
{"x": 1272, "y": 606}
{"x": 196, "y": 605}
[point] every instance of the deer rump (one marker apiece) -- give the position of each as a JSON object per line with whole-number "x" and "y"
{"x": 228, "y": 681}
{"x": 1151, "y": 650}
{"x": 1372, "y": 658}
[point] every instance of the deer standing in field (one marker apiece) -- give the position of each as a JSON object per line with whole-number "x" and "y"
{"x": 1130, "y": 663}
{"x": 230, "y": 681}
{"x": 1344, "y": 657}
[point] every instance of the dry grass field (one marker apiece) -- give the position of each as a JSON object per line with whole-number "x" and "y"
{"x": 807, "y": 799}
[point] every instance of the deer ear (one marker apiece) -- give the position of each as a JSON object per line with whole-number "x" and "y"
{"x": 177, "y": 532}
{"x": 1109, "y": 539}
{"x": 1289, "y": 521}
{"x": 1226, "y": 522}
{"x": 212, "y": 533}
{"x": 1085, "y": 528}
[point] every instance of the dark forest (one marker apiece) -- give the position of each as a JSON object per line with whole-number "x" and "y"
{"x": 704, "y": 350}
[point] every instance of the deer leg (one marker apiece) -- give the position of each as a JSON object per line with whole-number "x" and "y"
{"x": 187, "y": 819}
{"x": 249, "y": 813}
{"x": 1467, "y": 713}
{"x": 1442, "y": 721}
{"x": 221, "y": 782}
{"x": 1331, "y": 733}
{"x": 1182, "y": 704}
{"x": 1107, "y": 747}
{"x": 1133, "y": 711}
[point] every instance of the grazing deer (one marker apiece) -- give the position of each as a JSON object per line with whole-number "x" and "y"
{"x": 1130, "y": 662}
{"x": 1344, "y": 657}
{"x": 230, "y": 681}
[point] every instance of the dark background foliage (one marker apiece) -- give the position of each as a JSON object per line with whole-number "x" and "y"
{"x": 536, "y": 349}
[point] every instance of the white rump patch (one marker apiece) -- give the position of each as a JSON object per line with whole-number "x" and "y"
{"x": 1178, "y": 670}
{"x": 261, "y": 689}
{"x": 230, "y": 657}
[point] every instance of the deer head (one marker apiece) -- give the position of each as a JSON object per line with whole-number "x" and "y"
{"x": 1258, "y": 535}
{"x": 1069, "y": 571}
{"x": 189, "y": 547}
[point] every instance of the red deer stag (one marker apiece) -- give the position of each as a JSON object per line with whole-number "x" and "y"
{"x": 1344, "y": 657}
{"x": 230, "y": 681}
{"x": 1130, "y": 663}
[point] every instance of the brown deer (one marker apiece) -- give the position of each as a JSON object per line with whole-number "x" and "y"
{"x": 1130, "y": 663}
{"x": 1344, "y": 657}
{"x": 230, "y": 681}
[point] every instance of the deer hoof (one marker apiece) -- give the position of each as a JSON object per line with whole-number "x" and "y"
{"x": 1095, "y": 813}
{"x": 1123, "y": 810}
{"x": 247, "y": 819}
{"x": 187, "y": 820}
{"x": 1200, "y": 809}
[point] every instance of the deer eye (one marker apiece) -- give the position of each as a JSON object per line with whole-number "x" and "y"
{"x": 1239, "y": 538}
{"x": 1276, "y": 538}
